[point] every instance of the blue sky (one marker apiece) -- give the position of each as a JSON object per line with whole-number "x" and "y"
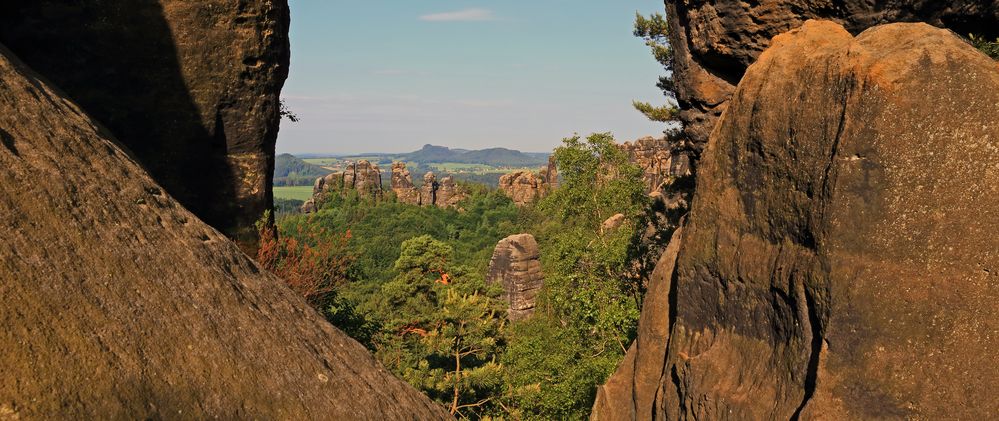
{"x": 391, "y": 76}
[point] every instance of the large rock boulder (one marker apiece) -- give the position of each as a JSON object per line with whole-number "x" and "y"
{"x": 189, "y": 87}
{"x": 840, "y": 259}
{"x": 121, "y": 304}
{"x": 714, "y": 41}
{"x": 516, "y": 265}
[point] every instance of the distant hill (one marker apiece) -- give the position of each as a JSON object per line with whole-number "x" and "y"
{"x": 497, "y": 157}
{"x": 292, "y": 171}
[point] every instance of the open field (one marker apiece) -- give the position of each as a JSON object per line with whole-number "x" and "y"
{"x": 293, "y": 192}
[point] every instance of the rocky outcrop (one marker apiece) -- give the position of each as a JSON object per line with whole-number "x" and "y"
{"x": 445, "y": 193}
{"x": 840, "y": 258}
{"x": 189, "y": 87}
{"x": 362, "y": 177}
{"x": 402, "y": 184}
{"x": 516, "y": 265}
{"x": 526, "y": 187}
{"x": 715, "y": 41}
{"x": 655, "y": 158}
{"x": 449, "y": 194}
{"x": 119, "y": 303}
{"x": 428, "y": 191}
{"x": 523, "y": 187}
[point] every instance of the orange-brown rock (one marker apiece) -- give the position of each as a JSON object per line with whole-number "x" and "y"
{"x": 516, "y": 265}
{"x": 190, "y": 87}
{"x": 121, "y": 304}
{"x": 840, "y": 260}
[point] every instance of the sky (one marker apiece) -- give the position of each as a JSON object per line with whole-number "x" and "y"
{"x": 391, "y": 76}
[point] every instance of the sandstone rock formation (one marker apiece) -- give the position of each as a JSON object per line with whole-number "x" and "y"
{"x": 655, "y": 158}
{"x": 121, "y": 304}
{"x": 516, "y": 265}
{"x": 523, "y": 187}
{"x": 449, "y": 194}
{"x": 714, "y": 41}
{"x": 402, "y": 184}
{"x": 840, "y": 260}
{"x": 526, "y": 187}
{"x": 445, "y": 193}
{"x": 428, "y": 191}
{"x": 190, "y": 87}
{"x": 362, "y": 177}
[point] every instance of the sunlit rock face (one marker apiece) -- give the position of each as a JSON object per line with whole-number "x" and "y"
{"x": 119, "y": 303}
{"x": 839, "y": 260}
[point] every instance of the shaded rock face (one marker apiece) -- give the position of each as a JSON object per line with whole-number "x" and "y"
{"x": 190, "y": 87}
{"x": 516, "y": 265}
{"x": 715, "y": 41}
{"x": 840, "y": 258}
{"x": 402, "y": 184}
{"x": 363, "y": 177}
{"x": 120, "y": 303}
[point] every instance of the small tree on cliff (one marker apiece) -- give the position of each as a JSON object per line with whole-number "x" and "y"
{"x": 655, "y": 32}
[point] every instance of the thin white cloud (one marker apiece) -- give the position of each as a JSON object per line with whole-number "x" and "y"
{"x": 466, "y": 15}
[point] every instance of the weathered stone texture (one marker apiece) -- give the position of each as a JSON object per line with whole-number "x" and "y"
{"x": 840, "y": 259}
{"x": 516, "y": 265}
{"x": 121, "y": 304}
{"x": 190, "y": 87}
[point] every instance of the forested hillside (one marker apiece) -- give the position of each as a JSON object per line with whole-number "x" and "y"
{"x": 409, "y": 283}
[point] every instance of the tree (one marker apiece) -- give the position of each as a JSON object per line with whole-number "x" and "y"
{"x": 285, "y": 112}
{"x": 443, "y": 329}
{"x": 655, "y": 31}
{"x": 588, "y": 311}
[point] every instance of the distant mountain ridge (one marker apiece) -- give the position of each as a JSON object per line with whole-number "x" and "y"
{"x": 434, "y": 154}
{"x": 498, "y": 157}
